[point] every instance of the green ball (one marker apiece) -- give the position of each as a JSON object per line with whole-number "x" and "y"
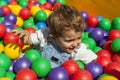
{"x": 23, "y": 3}
{"x": 18, "y": 28}
{"x": 1, "y": 19}
{"x": 27, "y": 24}
{"x": 81, "y": 64}
{"x": 2, "y": 72}
{"x": 41, "y": 16}
{"x": 105, "y": 24}
{"x": 115, "y": 45}
{"x": 96, "y": 49}
{"x": 42, "y": 1}
{"x": 41, "y": 67}
{"x": 3, "y": 3}
{"x": 5, "y": 61}
{"x": 116, "y": 23}
{"x": 85, "y": 35}
{"x": 32, "y": 55}
{"x": 10, "y": 75}
{"x": 61, "y": 1}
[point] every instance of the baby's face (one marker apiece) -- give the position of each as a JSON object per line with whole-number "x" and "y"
{"x": 69, "y": 40}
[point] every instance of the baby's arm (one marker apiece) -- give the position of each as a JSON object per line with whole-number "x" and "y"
{"x": 84, "y": 54}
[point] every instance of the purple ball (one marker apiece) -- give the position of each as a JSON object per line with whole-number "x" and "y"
{"x": 58, "y": 73}
{"x": 101, "y": 42}
{"x": 84, "y": 15}
{"x": 21, "y": 63}
{"x": 97, "y": 34}
{"x": 51, "y": 1}
{"x": 37, "y": 3}
{"x": 89, "y": 29}
{"x": 94, "y": 68}
{"x": 1, "y": 12}
{"x": 11, "y": 17}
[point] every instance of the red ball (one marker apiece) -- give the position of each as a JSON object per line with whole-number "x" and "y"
{"x": 13, "y": 2}
{"x": 114, "y": 69}
{"x": 32, "y": 1}
{"x": 11, "y": 38}
{"x": 6, "y": 10}
{"x": 30, "y": 29}
{"x": 92, "y": 21}
{"x": 71, "y": 66}
{"x": 26, "y": 74}
{"x": 104, "y": 52}
{"x": 24, "y": 13}
{"x": 116, "y": 58}
{"x": 20, "y": 43}
{"x": 2, "y": 30}
{"x": 114, "y": 34}
{"x": 30, "y": 5}
{"x": 48, "y": 6}
{"x": 103, "y": 60}
{"x": 56, "y": 5}
{"x": 81, "y": 75}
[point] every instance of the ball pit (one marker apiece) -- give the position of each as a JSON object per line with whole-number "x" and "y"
{"x": 100, "y": 35}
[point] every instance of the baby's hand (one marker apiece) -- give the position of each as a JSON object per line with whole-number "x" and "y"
{"x": 24, "y": 36}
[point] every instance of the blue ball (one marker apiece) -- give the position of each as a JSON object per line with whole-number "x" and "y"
{"x": 41, "y": 25}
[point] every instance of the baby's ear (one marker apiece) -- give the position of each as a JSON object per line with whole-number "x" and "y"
{"x": 52, "y": 36}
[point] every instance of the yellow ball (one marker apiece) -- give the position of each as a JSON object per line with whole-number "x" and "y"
{"x": 19, "y": 21}
{"x": 12, "y": 50}
{"x": 25, "y": 48}
{"x": 108, "y": 78}
{"x": 34, "y": 10}
{"x": 16, "y": 9}
{"x": 4, "y": 78}
{"x": 10, "y": 6}
{"x": 48, "y": 12}
{"x": 1, "y": 48}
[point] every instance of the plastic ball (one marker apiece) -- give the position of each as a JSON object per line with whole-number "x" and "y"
{"x": 26, "y": 74}
{"x": 113, "y": 34}
{"x": 41, "y": 25}
{"x": 27, "y": 23}
{"x": 24, "y": 13}
{"x": 105, "y": 24}
{"x": 84, "y": 14}
{"x": 116, "y": 58}
{"x": 10, "y": 75}
{"x": 99, "y": 18}
{"x": 26, "y": 47}
{"x": 104, "y": 52}
{"x": 23, "y": 3}
{"x": 19, "y": 21}
{"x": 94, "y": 68}
{"x": 96, "y": 49}
{"x": 2, "y": 71}
{"x": 108, "y": 78}
{"x": 81, "y": 64}
{"x": 30, "y": 29}
{"x": 116, "y": 23}
{"x": 58, "y": 73}
{"x": 32, "y": 54}
{"x": 41, "y": 16}
{"x": 48, "y": 6}
{"x": 21, "y": 63}
{"x": 115, "y": 45}
{"x": 81, "y": 75}
{"x": 61, "y": 1}
{"x": 34, "y": 10}
{"x": 70, "y": 66}
{"x": 37, "y": 3}
{"x": 16, "y": 9}
{"x": 5, "y": 61}
{"x": 41, "y": 67}
{"x": 13, "y": 2}
{"x": 56, "y": 5}
{"x": 103, "y": 60}
{"x": 1, "y": 48}
{"x": 32, "y": 1}
{"x": 1, "y": 12}
{"x": 11, "y": 17}
{"x": 97, "y": 34}
{"x": 3, "y": 3}
{"x": 48, "y": 12}
{"x": 10, "y": 38}
{"x": 12, "y": 50}
{"x": 89, "y": 29}
{"x": 92, "y": 21}
{"x": 5, "y": 78}
{"x": 6, "y": 10}
{"x": 113, "y": 68}
{"x": 42, "y": 1}
{"x": 29, "y": 5}
{"x": 2, "y": 30}
{"x": 51, "y": 1}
